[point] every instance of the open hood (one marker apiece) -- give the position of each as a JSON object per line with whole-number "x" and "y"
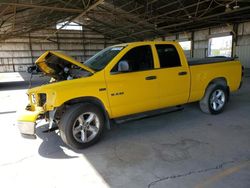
{"x": 55, "y": 64}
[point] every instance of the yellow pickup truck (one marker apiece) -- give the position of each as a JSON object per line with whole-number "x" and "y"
{"x": 121, "y": 80}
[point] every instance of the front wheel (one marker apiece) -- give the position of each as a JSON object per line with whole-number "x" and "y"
{"x": 82, "y": 125}
{"x": 215, "y": 99}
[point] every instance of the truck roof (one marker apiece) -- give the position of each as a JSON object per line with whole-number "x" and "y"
{"x": 146, "y": 42}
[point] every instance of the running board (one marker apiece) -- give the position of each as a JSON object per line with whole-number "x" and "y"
{"x": 148, "y": 114}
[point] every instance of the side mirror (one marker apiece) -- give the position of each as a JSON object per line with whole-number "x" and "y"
{"x": 123, "y": 66}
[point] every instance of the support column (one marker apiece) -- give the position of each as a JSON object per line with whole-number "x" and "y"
{"x": 192, "y": 44}
{"x": 234, "y": 39}
{"x": 31, "y": 51}
{"x": 58, "y": 41}
{"x": 83, "y": 45}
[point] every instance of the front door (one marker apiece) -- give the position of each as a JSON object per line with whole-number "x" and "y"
{"x": 133, "y": 90}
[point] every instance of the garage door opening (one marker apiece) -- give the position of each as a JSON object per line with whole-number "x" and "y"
{"x": 220, "y": 46}
{"x": 186, "y": 45}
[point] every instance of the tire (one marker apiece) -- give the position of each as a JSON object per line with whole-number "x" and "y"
{"x": 82, "y": 125}
{"x": 215, "y": 99}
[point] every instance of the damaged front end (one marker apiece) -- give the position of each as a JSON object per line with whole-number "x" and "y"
{"x": 27, "y": 118}
{"x": 59, "y": 67}
{"x": 26, "y": 123}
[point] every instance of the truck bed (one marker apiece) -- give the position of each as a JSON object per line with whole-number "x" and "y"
{"x": 209, "y": 60}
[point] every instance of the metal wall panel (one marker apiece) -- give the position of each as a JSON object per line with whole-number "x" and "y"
{"x": 199, "y": 53}
{"x": 243, "y": 53}
{"x": 16, "y": 54}
{"x": 201, "y": 35}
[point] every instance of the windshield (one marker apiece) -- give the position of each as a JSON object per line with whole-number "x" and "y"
{"x": 102, "y": 58}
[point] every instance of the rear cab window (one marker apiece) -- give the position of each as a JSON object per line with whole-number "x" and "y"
{"x": 168, "y": 56}
{"x": 139, "y": 58}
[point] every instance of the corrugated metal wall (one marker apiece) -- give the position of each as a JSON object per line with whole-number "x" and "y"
{"x": 17, "y": 54}
{"x": 201, "y": 37}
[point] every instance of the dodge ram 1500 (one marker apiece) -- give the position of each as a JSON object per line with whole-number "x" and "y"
{"x": 121, "y": 80}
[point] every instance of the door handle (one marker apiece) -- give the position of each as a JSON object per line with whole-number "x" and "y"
{"x": 182, "y": 73}
{"x": 150, "y": 78}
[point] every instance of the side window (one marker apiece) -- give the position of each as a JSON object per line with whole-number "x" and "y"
{"x": 138, "y": 59}
{"x": 168, "y": 55}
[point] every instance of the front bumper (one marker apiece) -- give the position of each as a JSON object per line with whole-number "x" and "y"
{"x": 27, "y": 129}
{"x": 26, "y": 123}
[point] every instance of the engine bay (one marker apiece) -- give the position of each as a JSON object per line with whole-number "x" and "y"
{"x": 61, "y": 69}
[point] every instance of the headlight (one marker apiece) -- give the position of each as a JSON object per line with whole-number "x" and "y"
{"x": 33, "y": 98}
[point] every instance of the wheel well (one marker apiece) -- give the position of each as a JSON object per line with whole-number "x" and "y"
{"x": 220, "y": 81}
{"x": 92, "y": 100}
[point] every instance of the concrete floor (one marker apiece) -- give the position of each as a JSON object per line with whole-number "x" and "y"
{"x": 182, "y": 149}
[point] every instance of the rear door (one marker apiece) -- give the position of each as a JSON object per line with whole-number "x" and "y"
{"x": 135, "y": 90}
{"x": 172, "y": 74}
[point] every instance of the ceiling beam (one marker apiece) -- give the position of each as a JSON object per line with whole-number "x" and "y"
{"x": 185, "y": 10}
{"x": 110, "y": 26}
{"x": 98, "y": 2}
{"x": 129, "y": 18}
{"x": 107, "y": 36}
{"x": 158, "y": 16}
{"x": 183, "y": 17}
{"x": 208, "y": 17}
{"x": 4, "y": 10}
{"x": 43, "y": 7}
{"x": 14, "y": 19}
{"x": 188, "y": 22}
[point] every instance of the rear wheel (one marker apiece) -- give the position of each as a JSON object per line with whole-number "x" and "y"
{"x": 82, "y": 125}
{"x": 215, "y": 99}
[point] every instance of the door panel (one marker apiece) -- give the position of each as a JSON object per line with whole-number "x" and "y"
{"x": 131, "y": 93}
{"x": 174, "y": 87}
{"x": 173, "y": 76}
